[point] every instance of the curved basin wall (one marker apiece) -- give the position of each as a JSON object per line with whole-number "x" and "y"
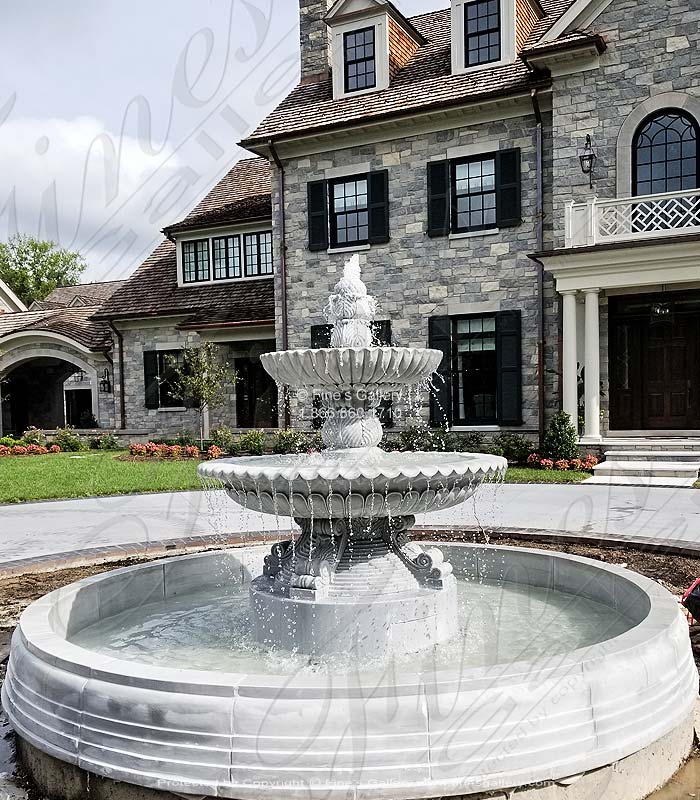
{"x": 449, "y": 731}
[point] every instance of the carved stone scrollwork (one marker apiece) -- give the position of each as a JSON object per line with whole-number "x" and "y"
{"x": 427, "y": 567}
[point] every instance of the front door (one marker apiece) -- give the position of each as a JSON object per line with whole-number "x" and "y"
{"x": 256, "y": 395}
{"x": 655, "y": 363}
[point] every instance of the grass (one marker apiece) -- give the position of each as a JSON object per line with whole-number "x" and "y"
{"x": 99, "y": 474}
{"x": 529, "y": 475}
{"x": 90, "y": 474}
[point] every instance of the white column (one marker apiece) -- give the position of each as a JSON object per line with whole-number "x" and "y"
{"x": 592, "y": 373}
{"x": 569, "y": 357}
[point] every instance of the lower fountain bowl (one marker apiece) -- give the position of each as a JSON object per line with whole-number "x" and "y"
{"x": 416, "y": 729}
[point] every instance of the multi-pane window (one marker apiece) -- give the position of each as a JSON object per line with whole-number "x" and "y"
{"x": 360, "y": 62}
{"x": 474, "y": 194}
{"x": 227, "y": 257}
{"x": 232, "y": 257}
{"x": 258, "y": 254}
{"x": 168, "y": 362}
{"x": 195, "y": 261}
{"x": 665, "y": 153}
{"x": 349, "y": 212}
{"x": 475, "y": 376}
{"x": 482, "y": 22}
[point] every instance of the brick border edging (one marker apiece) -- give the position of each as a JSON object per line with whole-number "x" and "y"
{"x": 192, "y": 544}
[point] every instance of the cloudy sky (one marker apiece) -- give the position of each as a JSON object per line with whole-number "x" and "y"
{"x": 117, "y": 116}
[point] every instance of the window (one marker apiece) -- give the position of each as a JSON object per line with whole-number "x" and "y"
{"x": 195, "y": 261}
{"x": 227, "y": 257}
{"x": 359, "y": 59}
{"x": 258, "y": 254}
{"x": 233, "y": 257}
{"x": 349, "y": 212}
{"x": 482, "y": 23}
{"x": 474, "y": 382}
{"x": 480, "y": 375}
{"x": 159, "y": 378}
{"x": 473, "y": 194}
{"x": 665, "y": 154}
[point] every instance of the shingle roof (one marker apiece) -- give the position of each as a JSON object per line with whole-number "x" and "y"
{"x": 75, "y": 323}
{"x": 152, "y": 291}
{"x": 242, "y": 194}
{"x": 425, "y": 83}
{"x": 90, "y": 293}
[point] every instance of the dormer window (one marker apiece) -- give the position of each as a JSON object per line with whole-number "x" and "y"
{"x": 230, "y": 257}
{"x": 483, "y": 32}
{"x": 360, "y": 60}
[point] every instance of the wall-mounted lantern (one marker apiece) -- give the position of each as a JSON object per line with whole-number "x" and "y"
{"x": 588, "y": 157}
{"x": 106, "y": 383}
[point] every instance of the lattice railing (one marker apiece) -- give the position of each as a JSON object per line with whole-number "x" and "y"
{"x": 646, "y": 217}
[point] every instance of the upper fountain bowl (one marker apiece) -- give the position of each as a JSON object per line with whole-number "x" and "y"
{"x": 346, "y": 367}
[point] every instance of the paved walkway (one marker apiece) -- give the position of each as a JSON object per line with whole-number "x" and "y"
{"x": 631, "y": 513}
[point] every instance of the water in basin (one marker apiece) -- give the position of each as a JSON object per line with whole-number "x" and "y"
{"x": 499, "y": 623}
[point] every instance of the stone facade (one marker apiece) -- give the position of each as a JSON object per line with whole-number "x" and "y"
{"x": 414, "y": 276}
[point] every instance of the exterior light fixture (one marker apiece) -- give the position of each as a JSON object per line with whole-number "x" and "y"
{"x": 106, "y": 383}
{"x": 588, "y": 157}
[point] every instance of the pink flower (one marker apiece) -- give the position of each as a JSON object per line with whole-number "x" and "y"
{"x": 590, "y": 462}
{"x": 576, "y": 463}
{"x": 5, "y": 451}
{"x": 54, "y": 449}
{"x": 19, "y": 450}
{"x": 175, "y": 451}
{"x": 152, "y": 449}
{"x": 137, "y": 450}
{"x": 546, "y": 463}
{"x": 533, "y": 458}
{"x": 214, "y": 452}
{"x": 562, "y": 465}
{"x": 191, "y": 451}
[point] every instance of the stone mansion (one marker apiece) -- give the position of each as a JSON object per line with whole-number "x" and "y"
{"x": 521, "y": 179}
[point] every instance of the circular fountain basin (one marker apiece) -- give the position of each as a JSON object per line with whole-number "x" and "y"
{"x": 141, "y": 676}
{"x": 351, "y": 483}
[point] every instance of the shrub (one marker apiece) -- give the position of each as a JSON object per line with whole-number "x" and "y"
{"x": 68, "y": 440}
{"x": 561, "y": 439}
{"x": 137, "y": 450}
{"x": 8, "y": 441}
{"x": 191, "y": 451}
{"x": 515, "y": 447}
{"x": 534, "y": 459}
{"x": 214, "y": 452}
{"x": 224, "y": 438}
{"x": 289, "y": 441}
{"x": 547, "y": 463}
{"x": 54, "y": 449}
{"x": 562, "y": 465}
{"x": 576, "y": 463}
{"x": 416, "y": 437}
{"x": 589, "y": 462}
{"x": 5, "y": 450}
{"x": 19, "y": 450}
{"x": 470, "y": 442}
{"x": 253, "y": 442}
{"x": 186, "y": 439}
{"x": 33, "y": 436}
{"x": 107, "y": 441}
{"x": 36, "y": 450}
{"x": 313, "y": 442}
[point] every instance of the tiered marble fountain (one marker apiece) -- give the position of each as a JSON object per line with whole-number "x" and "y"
{"x": 351, "y": 663}
{"x": 353, "y": 580}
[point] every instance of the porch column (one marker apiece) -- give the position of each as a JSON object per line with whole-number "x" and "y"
{"x": 569, "y": 357}
{"x": 592, "y": 373}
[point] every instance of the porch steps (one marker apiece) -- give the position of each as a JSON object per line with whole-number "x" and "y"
{"x": 649, "y": 462}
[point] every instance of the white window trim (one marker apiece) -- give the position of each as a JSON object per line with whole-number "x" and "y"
{"x": 380, "y": 23}
{"x": 214, "y": 233}
{"x": 508, "y": 49}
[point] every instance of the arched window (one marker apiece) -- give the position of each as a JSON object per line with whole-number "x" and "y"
{"x": 665, "y": 153}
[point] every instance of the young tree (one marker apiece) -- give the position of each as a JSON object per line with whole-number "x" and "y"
{"x": 33, "y": 269}
{"x": 201, "y": 379}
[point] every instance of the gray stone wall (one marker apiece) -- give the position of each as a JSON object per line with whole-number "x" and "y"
{"x": 313, "y": 36}
{"x": 415, "y": 277}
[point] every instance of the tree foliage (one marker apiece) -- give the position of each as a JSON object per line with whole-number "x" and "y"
{"x": 561, "y": 439}
{"x": 202, "y": 378}
{"x": 33, "y": 268}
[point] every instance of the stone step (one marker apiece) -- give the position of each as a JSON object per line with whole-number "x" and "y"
{"x": 651, "y": 469}
{"x": 651, "y": 443}
{"x": 654, "y": 455}
{"x": 649, "y": 482}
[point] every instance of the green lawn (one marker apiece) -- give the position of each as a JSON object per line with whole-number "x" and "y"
{"x": 528, "y": 475}
{"x": 92, "y": 474}
{"x": 89, "y": 474}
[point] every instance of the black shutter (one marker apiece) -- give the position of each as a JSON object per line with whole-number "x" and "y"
{"x": 317, "y": 196}
{"x": 150, "y": 379}
{"x": 509, "y": 365}
{"x": 378, "y": 200}
{"x": 320, "y": 338}
{"x": 439, "y": 338}
{"x": 508, "y": 212}
{"x": 438, "y": 198}
{"x": 381, "y": 333}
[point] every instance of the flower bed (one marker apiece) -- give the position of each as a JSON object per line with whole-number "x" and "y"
{"x": 28, "y": 450}
{"x": 169, "y": 452}
{"x": 586, "y": 464}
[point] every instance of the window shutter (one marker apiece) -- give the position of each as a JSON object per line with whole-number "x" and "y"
{"x": 381, "y": 331}
{"x": 439, "y": 338}
{"x": 438, "y": 198}
{"x": 320, "y": 338}
{"x": 317, "y": 196}
{"x": 150, "y": 379}
{"x": 509, "y": 366}
{"x": 508, "y": 212}
{"x": 378, "y": 201}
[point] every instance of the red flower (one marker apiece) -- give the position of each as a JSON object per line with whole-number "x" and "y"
{"x": 54, "y": 449}
{"x": 191, "y": 451}
{"x": 533, "y": 458}
{"x": 562, "y": 465}
{"x": 5, "y": 451}
{"x": 546, "y": 463}
{"x": 214, "y": 452}
{"x": 19, "y": 450}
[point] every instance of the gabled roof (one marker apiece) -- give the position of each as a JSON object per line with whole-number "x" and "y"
{"x": 243, "y": 194}
{"x": 83, "y": 294}
{"x": 9, "y": 302}
{"x": 153, "y": 291}
{"x": 426, "y": 83}
{"x": 75, "y": 323}
{"x": 343, "y": 8}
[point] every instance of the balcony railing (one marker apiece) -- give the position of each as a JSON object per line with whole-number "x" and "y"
{"x": 646, "y": 217}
